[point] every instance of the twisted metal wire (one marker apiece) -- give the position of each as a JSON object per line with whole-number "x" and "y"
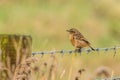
{"x": 73, "y": 51}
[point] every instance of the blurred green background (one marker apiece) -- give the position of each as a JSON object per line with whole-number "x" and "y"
{"x": 47, "y": 21}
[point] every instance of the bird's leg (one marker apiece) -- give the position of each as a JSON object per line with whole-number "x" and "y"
{"x": 78, "y": 50}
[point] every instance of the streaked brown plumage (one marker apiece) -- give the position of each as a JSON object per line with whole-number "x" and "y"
{"x": 77, "y": 39}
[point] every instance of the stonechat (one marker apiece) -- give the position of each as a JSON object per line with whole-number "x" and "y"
{"x": 78, "y": 40}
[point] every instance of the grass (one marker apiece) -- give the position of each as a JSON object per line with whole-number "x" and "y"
{"x": 67, "y": 67}
{"x": 47, "y": 20}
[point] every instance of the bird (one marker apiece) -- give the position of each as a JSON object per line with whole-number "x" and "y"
{"x": 78, "y": 40}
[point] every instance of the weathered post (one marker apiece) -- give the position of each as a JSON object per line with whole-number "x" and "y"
{"x": 13, "y": 50}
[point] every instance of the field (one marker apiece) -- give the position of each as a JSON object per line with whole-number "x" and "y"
{"x": 47, "y": 21}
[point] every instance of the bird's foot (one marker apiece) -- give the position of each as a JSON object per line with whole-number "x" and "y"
{"x": 78, "y": 50}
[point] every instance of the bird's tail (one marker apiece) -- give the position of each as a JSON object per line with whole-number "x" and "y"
{"x": 92, "y": 48}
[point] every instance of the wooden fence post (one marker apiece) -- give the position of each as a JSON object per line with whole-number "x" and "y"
{"x": 13, "y": 50}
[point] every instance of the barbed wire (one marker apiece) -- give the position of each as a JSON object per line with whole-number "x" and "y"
{"x": 87, "y": 51}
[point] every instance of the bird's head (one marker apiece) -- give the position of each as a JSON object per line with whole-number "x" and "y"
{"x": 72, "y": 30}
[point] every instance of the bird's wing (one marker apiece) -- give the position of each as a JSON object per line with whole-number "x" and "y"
{"x": 80, "y": 41}
{"x": 80, "y": 37}
{"x": 85, "y": 40}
